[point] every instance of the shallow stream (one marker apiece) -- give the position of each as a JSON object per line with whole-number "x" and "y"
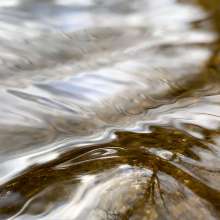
{"x": 109, "y": 109}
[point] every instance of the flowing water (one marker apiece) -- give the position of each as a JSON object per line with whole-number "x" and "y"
{"x": 110, "y": 109}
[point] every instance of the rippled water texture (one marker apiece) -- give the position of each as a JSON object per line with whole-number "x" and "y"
{"x": 109, "y": 109}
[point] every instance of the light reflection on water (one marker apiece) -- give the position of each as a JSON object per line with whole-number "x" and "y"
{"x": 109, "y": 109}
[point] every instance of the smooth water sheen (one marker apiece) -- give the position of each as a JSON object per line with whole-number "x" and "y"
{"x": 110, "y": 109}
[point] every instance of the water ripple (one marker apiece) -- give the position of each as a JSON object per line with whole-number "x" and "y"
{"x": 109, "y": 110}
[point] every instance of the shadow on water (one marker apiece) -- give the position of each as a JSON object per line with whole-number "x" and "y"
{"x": 162, "y": 170}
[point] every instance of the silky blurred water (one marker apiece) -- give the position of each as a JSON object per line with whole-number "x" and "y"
{"x": 109, "y": 109}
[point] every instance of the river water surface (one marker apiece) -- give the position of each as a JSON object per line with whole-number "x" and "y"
{"x": 109, "y": 109}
